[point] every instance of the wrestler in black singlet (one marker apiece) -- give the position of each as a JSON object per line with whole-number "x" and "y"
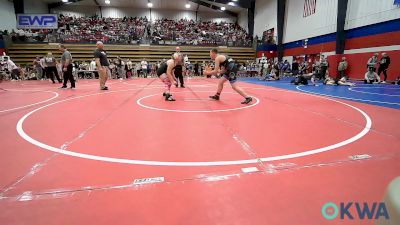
{"x": 231, "y": 69}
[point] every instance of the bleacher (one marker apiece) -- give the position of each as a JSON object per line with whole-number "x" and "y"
{"x": 24, "y": 54}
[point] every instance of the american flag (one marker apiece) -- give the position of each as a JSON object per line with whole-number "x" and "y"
{"x": 309, "y": 7}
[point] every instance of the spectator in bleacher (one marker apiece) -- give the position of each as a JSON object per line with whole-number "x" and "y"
{"x": 102, "y": 64}
{"x": 51, "y": 69}
{"x": 372, "y": 62}
{"x": 66, "y": 62}
{"x": 383, "y": 66}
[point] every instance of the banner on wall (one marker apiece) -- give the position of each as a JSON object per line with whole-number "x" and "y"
{"x": 37, "y": 21}
{"x": 397, "y": 2}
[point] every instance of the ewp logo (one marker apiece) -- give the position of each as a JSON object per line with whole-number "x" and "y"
{"x": 37, "y": 21}
{"x": 364, "y": 211}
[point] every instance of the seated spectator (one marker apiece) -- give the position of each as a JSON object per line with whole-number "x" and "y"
{"x": 273, "y": 76}
{"x": 343, "y": 81}
{"x": 371, "y": 77}
{"x": 134, "y": 30}
{"x": 397, "y": 81}
{"x": 303, "y": 79}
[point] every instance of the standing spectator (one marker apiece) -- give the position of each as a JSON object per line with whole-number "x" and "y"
{"x": 129, "y": 68}
{"x": 144, "y": 67}
{"x": 295, "y": 68}
{"x": 196, "y": 68}
{"x": 383, "y": 66}
{"x": 102, "y": 64}
{"x": 149, "y": 68}
{"x": 120, "y": 67}
{"x": 93, "y": 68}
{"x": 42, "y": 64}
{"x": 51, "y": 69}
{"x": 277, "y": 67}
{"x": 66, "y": 63}
{"x": 92, "y": 65}
{"x": 342, "y": 67}
{"x": 316, "y": 69}
{"x": 324, "y": 67}
{"x": 372, "y": 62}
{"x": 178, "y": 69}
{"x": 38, "y": 68}
{"x": 137, "y": 69}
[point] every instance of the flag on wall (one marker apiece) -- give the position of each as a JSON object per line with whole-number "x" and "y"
{"x": 309, "y": 7}
{"x": 397, "y": 2}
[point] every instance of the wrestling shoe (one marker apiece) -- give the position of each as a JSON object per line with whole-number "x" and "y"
{"x": 169, "y": 98}
{"x": 247, "y": 100}
{"x": 215, "y": 97}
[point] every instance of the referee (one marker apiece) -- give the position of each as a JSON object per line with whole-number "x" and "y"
{"x": 66, "y": 65}
{"x": 102, "y": 64}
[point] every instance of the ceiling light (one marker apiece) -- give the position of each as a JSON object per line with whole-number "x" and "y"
{"x": 234, "y": 0}
{"x": 64, "y": 0}
{"x": 222, "y": 8}
{"x": 149, "y": 4}
{"x": 231, "y": 3}
{"x": 107, "y": 2}
{"x": 187, "y": 5}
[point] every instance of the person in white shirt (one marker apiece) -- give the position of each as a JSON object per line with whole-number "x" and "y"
{"x": 93, "y": 68}
{"x": 14, "y": 70}
{"x": 371, "y": 77}
{"x": 92, "y": 65}
{"x": 144, "y": 67}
